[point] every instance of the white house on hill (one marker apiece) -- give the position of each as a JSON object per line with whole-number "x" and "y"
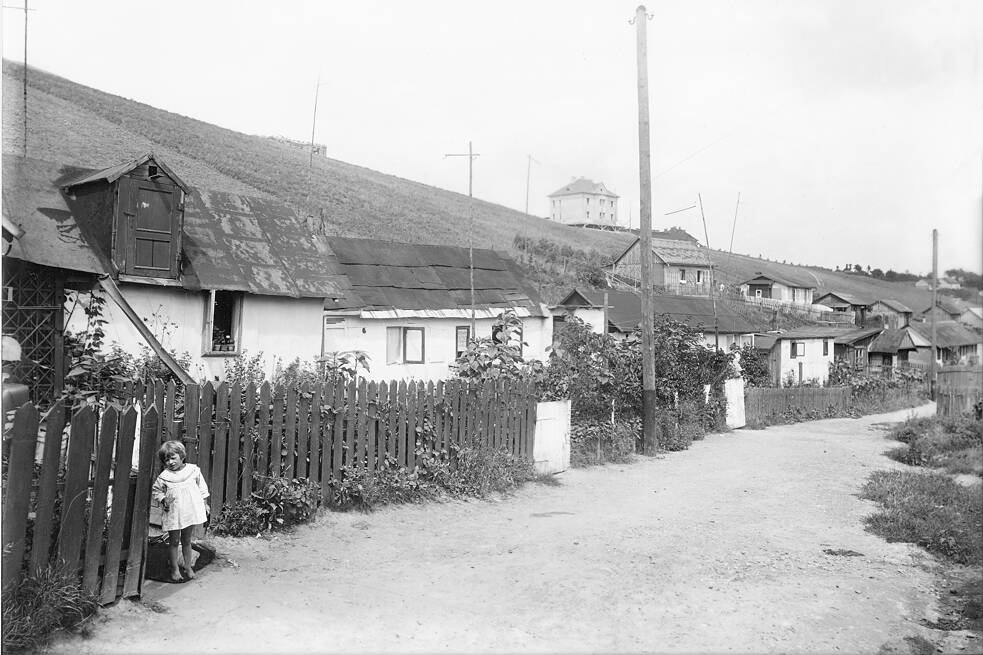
{"x": 584, "y": 201}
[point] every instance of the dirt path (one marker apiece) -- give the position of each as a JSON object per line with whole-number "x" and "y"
{"x": 719, "y": 548}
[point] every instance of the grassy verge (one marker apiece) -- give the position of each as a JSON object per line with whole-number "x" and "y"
{"x": 928, "y": 509}
{"x": 40, "y": 605}
{"x": 953, "y": 444}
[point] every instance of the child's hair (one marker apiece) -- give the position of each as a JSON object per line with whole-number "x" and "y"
{"x": 169, "y": 447}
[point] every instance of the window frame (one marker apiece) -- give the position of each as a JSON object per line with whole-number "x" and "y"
{"x": 423, "y": 344}
{"x": 825, "y": 347}
{"x": 467, "y": 339}
{"x": 794, "y": 352}
{"x": 682, "y": 274}
{"x": 209, "y": 348}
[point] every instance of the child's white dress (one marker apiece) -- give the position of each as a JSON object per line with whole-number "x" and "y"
{"x": 186, "y": 492}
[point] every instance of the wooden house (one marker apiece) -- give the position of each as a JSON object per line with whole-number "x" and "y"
{"x": 972, "y": 317}
{"x": 679, "y": 267}
{"x": 946, "y": 308}
{"x": 622, "y": 315}
{"x": 890, "y": 313}
{"x": 956, "y": 343}
{"x": 843, "y": 302}
{"x": 898, "y": 348}
{"x": 803, "y": 355}
{"x": 783, "y": 288}
{"x": 229, "y": 273}
{"x": 853, "y": 346}
{"x": 409, "y": 306}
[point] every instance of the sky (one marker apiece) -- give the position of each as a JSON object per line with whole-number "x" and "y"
{"x": 849, "y": 129}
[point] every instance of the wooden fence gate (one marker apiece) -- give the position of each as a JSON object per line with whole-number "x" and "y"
{"x": 958, "y": 389}
{"x": 83, "y": 507}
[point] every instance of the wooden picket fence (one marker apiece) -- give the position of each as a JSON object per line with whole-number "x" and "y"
{"x": 82, "y": 508}
{"x": 760, "y": 403}
{"x": 90, "y": 518}
{"x": 958, "y": 389}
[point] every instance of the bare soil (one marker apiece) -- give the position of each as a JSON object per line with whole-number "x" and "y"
{"x": 750, "y": 541}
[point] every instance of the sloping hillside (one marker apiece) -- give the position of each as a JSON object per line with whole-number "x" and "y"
{"x": 72, "y": 123}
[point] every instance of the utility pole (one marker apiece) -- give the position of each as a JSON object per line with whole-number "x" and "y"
{"x": 935, "y": 297}
{"x": 713, "y": 298}
{"x": 528, "y": 171}
{"x": 649, "y": 441}
{"x": 471, "y": 155}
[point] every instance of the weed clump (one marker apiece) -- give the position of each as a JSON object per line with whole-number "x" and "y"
{"x": 955, "y": 444}
{"x": 42, "y": 603}
{"x": 278, "y": 503}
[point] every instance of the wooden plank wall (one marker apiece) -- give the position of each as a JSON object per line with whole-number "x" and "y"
{"x": 763, "y": 402}
{"x": 958, "y": 389}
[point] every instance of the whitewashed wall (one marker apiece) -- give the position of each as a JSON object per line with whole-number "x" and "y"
{"x": 590, "y": 315}
{"x": 815, "y": 365}
{"x": 281, "y": 328}
{"x": 551, "y": 446}
{"x": 369, "y": 335}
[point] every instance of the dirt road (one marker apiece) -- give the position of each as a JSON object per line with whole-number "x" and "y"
{"x": 716, "y": 549}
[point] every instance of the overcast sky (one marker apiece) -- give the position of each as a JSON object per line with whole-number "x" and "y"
{"x": 850, "y": 129}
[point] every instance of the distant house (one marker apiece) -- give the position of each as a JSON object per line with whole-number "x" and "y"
{"x": 899, "y": 347}
{"x": 944, "y": 283}
{"x": 946, "y": 309}
{"x": 409, "y": 306}
{"x": 231, "y": 273}
{"x": 584, "y": 201}
{"x": 623, "y": 314}
{"x": 779, "y": 287}
{"x": 972, "y": 317}
{"x": 839, "y": 301}
{"x": 853, "y": 346}
{"x": 804, "y": 355}
{"x": 892, "y": 313}
{"x": 956, "y": 343}
{"x": 679, "y": 266}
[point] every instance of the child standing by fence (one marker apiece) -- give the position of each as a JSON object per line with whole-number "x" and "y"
{"x": 181, "y": 492}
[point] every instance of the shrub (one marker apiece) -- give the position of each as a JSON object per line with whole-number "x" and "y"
{"x": 953, "y": 443}
{"x": 596, "y": 442}
{"x": 928, "y": 509}
{"x": 279, "y": 502}
{"x": 40, "y": 604}
{"x": 240, "y": 519}
{"x": 481, "y": 471}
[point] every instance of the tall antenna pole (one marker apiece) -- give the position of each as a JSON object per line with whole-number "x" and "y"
{"x": 317, "y": 90}
{"x": 733, "y": 229}
{"x": 935, "y": 298}
{"x": 649, "y": 444}
{"x": 471, "y": 157}
{"x": 528, "y": 171}
{"x": 25, "y": 78}
{"x": 713, "y": 299}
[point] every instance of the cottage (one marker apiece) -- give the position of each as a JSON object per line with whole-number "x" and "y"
{"x": 842, "y": 302}
{"x": 781, "y": 288}
{"x": 804, "y": 355}
{"x": 946, "y": 308}
{"x": 623, "y": 315}
{"x": 584, "y": 202}
{"x": 234, "y": 273}
{"x": 944, "y": 283}
{"x": 900, "y": 348}
{"x": 891, "y": 313}
{"x": 853, "y": 346}
{"x": 409, "y": 306}
{"x": 972, "y": 317}
{"x": 679, "y": 267}
{"x": 956, "y": 344}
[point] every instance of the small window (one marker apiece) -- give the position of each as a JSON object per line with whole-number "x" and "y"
{"x": 224, "y": 310}
{"x": 699, "y": 277}
{"x": 682, "y": 275}
{"x": 797, "y": 349}
{"x": 462, "y": 334}
{"x": 825, "y": 347}
{"x": 757, "y": 293}
{"x": 404, "y": 345}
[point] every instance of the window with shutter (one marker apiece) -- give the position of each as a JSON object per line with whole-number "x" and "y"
{"x": 149, "y": 227}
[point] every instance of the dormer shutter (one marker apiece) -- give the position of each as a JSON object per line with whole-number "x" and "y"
{"x": 150, "y": 227}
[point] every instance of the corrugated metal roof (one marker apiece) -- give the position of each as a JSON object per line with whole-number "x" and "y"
{"x": 231, "y": 242}
{"x": 386, "y": 275}
{"x": 625, "y": 311}
{"x": 583, "y": 185}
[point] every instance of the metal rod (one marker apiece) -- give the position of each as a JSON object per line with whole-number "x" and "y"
{"x": 935, "y": 298}
{"x": 713, "y": 299}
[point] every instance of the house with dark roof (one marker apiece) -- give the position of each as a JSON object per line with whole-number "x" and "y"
{"x": 804, "y": 355}
{"x": 410, "y": 307}
{"x": 947, "y": 308}
{"x": 679, "y": 266}
{"x": 780, "y": 287}
{"x": 842, "y": 302}
{"x": 584, "y": 202}
{"x": 956, "y": 343}
{"x": 898, "y": 348}
{"x": 891, "y": 313}
{"x": 189, "y": 270}
{"x": 972, "y": 317}
{"x": 619, "y": 313}
{"x": 853, "y": 346}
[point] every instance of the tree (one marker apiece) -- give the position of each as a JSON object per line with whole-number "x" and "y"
{"x": 857, "y": 268}
{"x": 877, "y": 273}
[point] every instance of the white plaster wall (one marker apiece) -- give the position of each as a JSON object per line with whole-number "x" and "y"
{"x": 574, "y": 209}
{"x": 727, "y": 340}
{"x": 282, "y": 328}
{"x": 590, "y": 315}
{"x": 814, "y": 363}
{"x": 369, "y": 335}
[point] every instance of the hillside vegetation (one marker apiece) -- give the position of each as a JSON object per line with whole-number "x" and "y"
{"x": 75, "y": 124}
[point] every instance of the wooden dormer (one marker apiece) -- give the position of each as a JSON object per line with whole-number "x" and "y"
{"x": 136, "y": 214}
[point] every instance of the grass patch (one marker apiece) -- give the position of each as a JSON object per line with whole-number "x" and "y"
{"x": 41, "y": 604}
{"x": 930, "y": 510}
{"x": 953, "y": 444}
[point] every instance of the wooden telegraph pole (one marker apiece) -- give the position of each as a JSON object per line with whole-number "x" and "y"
{"x": 471, "y": 157}
{"x": 935, "y": 298}
{"x": 649, "y": 441}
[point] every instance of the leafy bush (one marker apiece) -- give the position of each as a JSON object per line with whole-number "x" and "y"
{"x": 280, "y": 502}
{"x": 754, "y": 366}
{"x": 596, "y": 442}
{"x": 40, "y": 604}
{"x": 930, "y": 510}
{"x": 500, "y": 356}
{"x": 481, "y": 471}
{"x": 955, "y": 444}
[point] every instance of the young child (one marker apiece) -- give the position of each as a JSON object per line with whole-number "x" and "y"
{"x": 181, "y": 491}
